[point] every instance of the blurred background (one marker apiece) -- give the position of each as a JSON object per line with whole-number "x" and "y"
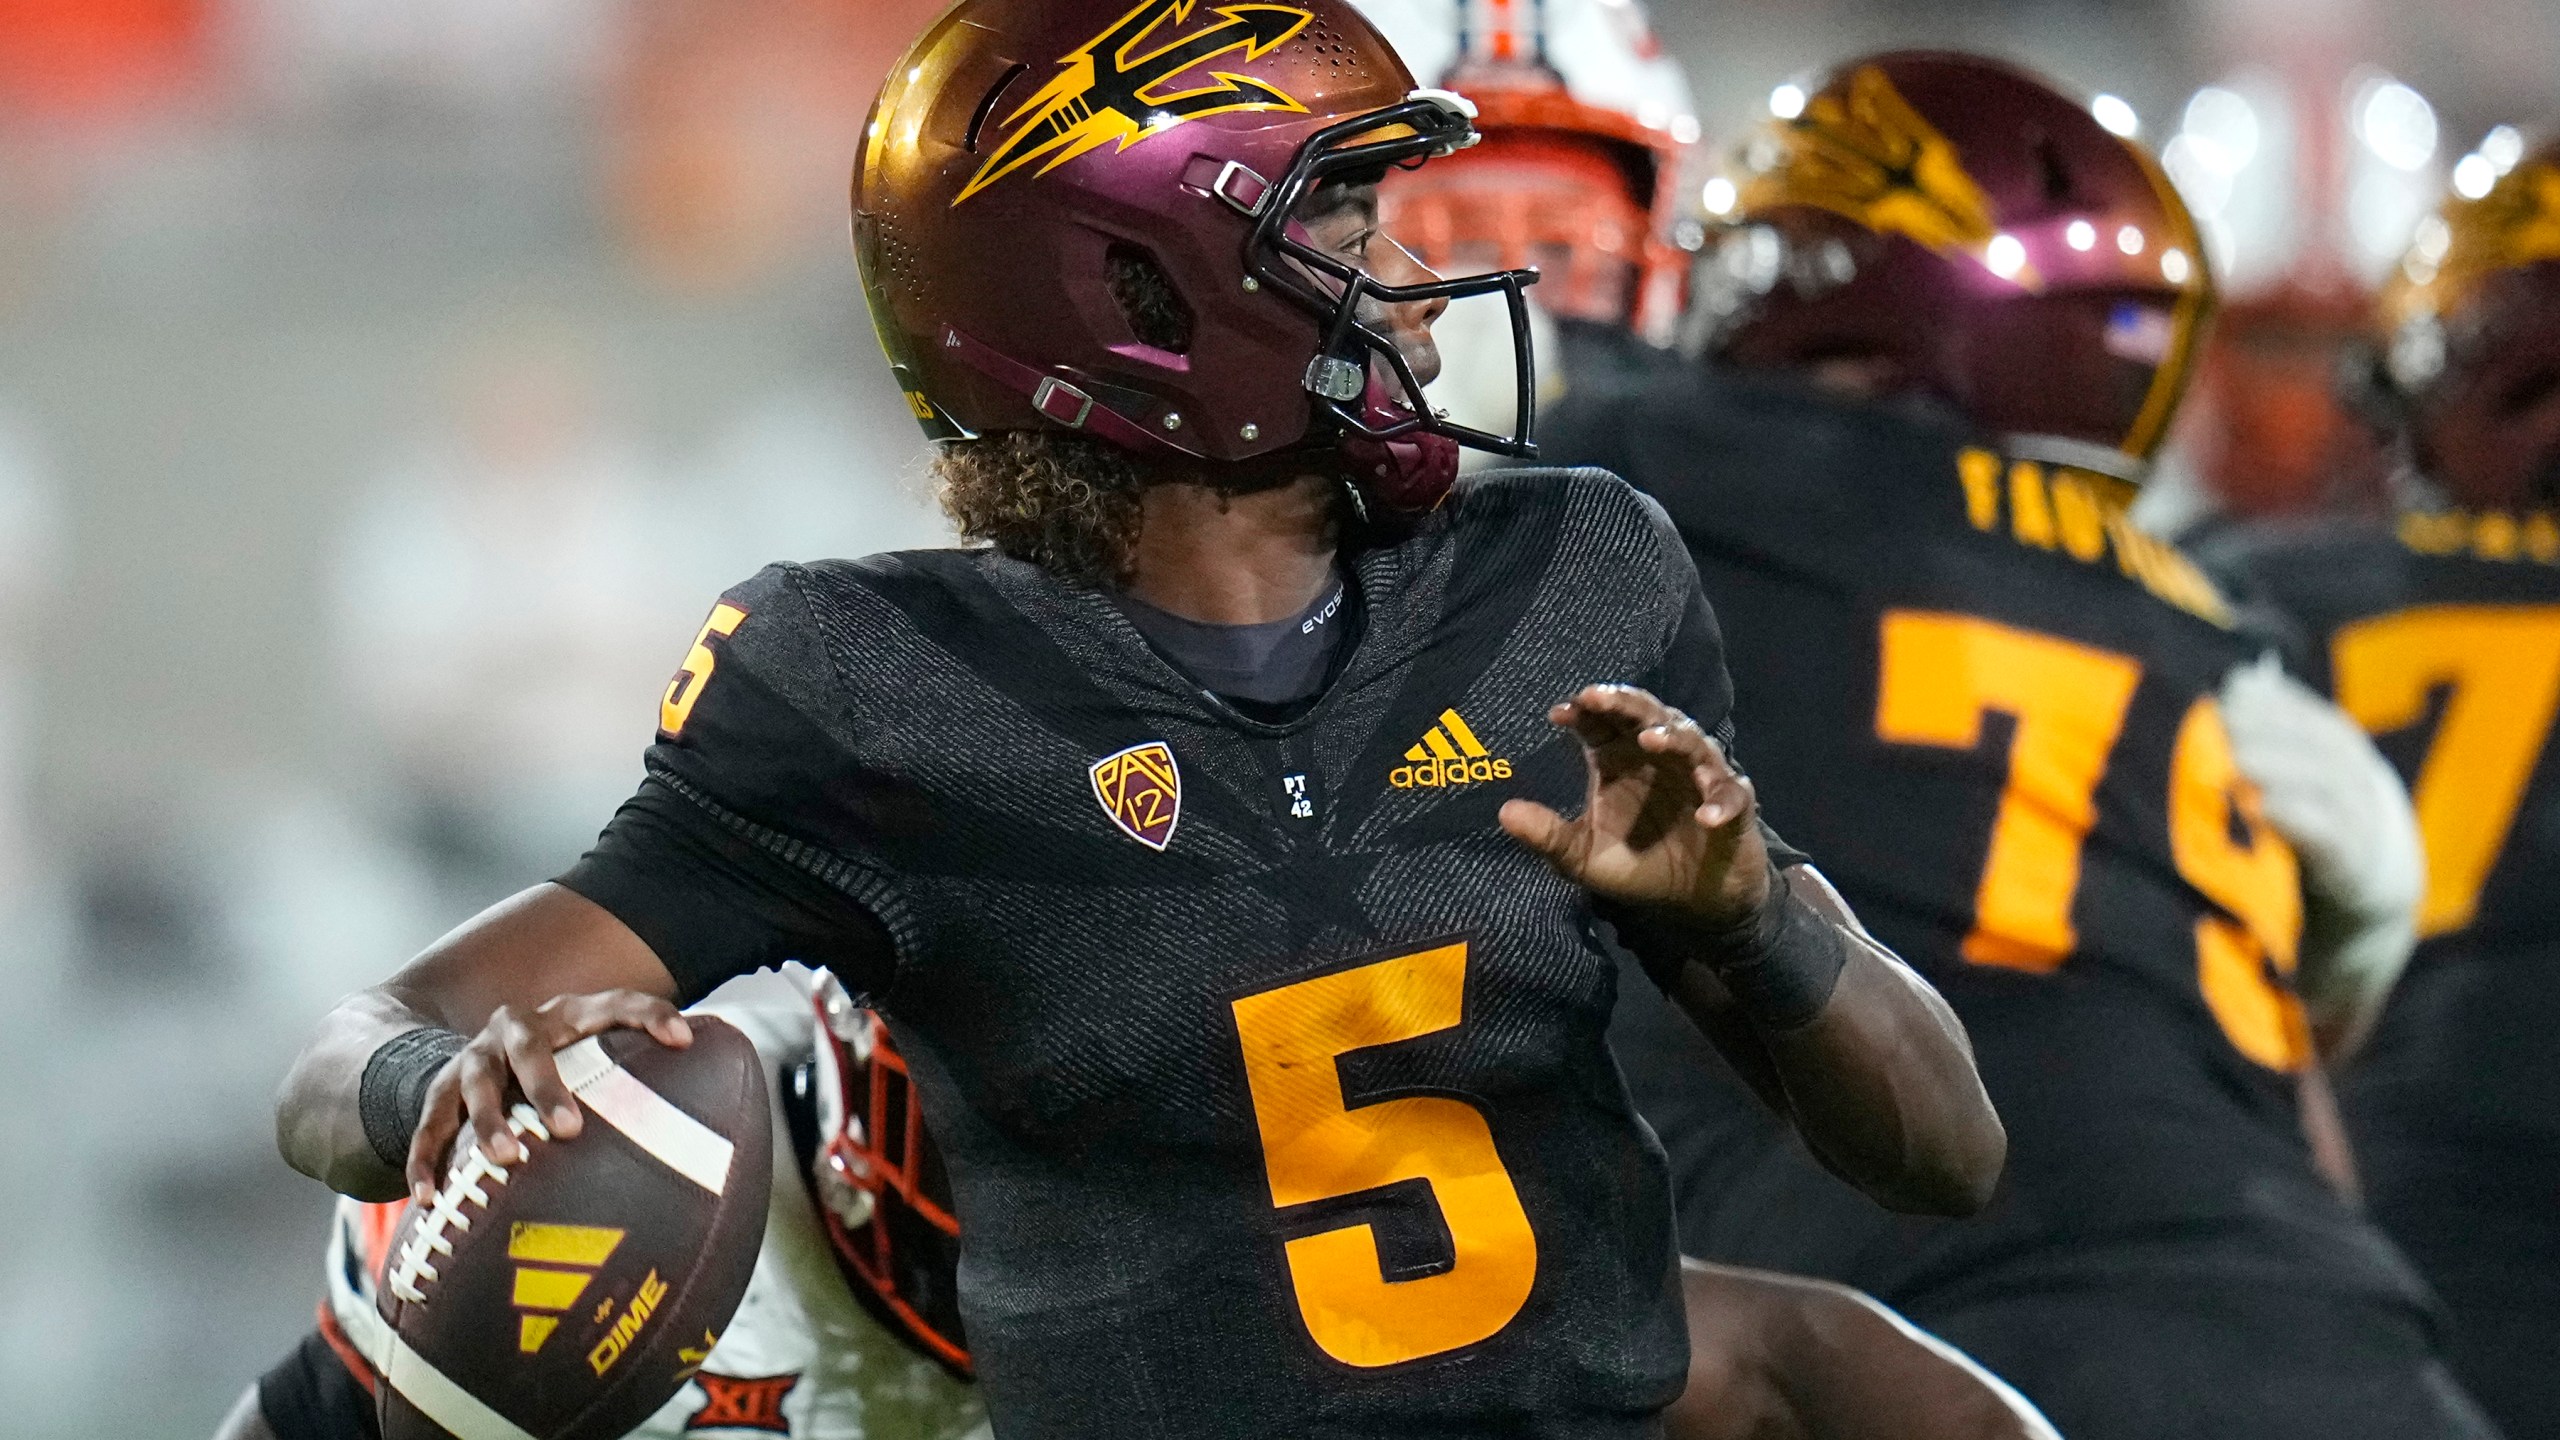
{"x": 386, "y": 390}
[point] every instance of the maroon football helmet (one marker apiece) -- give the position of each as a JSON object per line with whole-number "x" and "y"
{"x": 2471, "y": 326}
{"x": 1953, "y": 226}
{"x": 1024, "y": 150}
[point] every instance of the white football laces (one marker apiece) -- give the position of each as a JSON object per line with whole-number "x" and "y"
{"x": 462, "y": 1183}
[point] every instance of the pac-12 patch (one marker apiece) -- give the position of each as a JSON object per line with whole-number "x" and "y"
{"x": 1141, "y": 790}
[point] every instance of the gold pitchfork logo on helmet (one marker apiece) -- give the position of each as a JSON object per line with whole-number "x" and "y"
{"x": 1109, "y": 93}
{"x": 1869, "y": 156}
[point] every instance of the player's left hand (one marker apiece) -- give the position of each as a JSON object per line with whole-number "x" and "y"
{"x": 1666, "y": 820}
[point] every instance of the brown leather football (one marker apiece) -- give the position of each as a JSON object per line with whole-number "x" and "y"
{"x": 569, "y": 1296}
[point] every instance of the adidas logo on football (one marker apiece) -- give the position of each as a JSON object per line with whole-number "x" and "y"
{"x": 1450, "y": 754}
{"x": 537, "y": 1287}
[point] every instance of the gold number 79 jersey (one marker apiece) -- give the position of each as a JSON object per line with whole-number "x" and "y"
{"x": 1987, "y": 703}
{"x": 1943, "y": 674}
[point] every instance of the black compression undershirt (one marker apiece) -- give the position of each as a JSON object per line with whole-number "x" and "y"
{"x": 688, "y": 912}
{"x": 1278, "y": 664}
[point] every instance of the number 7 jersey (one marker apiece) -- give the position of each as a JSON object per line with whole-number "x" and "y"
{"x": 2440, "y": 634}
{"x": 1986, "y": 702}
{"x": 1271, "y": 1074}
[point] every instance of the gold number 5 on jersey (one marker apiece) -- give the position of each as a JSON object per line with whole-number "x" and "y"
{"x": 686, "y": 688}
{"x": 1317, "y": 1148}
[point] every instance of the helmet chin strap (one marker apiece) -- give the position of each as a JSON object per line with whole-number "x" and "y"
{"x": 1405, "y": 476}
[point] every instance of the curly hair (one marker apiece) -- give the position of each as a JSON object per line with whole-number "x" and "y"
{"x": 1069, "y": 503}
{"x": 1066, "y": 503}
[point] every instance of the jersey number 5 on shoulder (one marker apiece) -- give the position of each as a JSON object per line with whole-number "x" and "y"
{"x": 1315, "y": 1147}
{"x": 1943, "y": 672}
{"x": 686, "y": 688}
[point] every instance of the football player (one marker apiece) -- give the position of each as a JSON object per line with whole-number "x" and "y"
{"x": 1947, "y": 328}
{"x": 2440, "y": 633}
{"x": 848, "y": 1327}
{"x": 1587, "y": 127}
{"x": 1168, "y": 824}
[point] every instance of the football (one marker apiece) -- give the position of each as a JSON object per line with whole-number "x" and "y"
{"x": 570, "y": 1295}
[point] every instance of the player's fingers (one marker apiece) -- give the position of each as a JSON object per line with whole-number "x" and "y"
{"x": 1723, "y": 796}
{"x": 1605, "y": 733}
{"x": 1716, "y": 755}
{"x": 1678, "y": 741}
{"x": 480, "y": 1072}
{"x": 438, "y": 1121}
{"x": 1542, "y": 830}
{"x": 585, "y": 1015}
{"x": 1628, "y": 700}
{"x": 530, "y": 1051}
{"x": 1619, "y": 709}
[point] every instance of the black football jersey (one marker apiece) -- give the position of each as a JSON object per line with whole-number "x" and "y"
{"x": 2440, "y": 633}
{"x": 1985, "y": 703}
{"x": 1272, "y": 1076}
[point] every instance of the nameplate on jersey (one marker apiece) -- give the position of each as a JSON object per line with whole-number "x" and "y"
{"x": 2081, "y": 513}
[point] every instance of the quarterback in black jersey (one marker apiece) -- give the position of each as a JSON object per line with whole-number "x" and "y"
{"x": 2439, "y": 630}
{"x": 1995, "y": 708}
{"x": 1263, "y": 1032}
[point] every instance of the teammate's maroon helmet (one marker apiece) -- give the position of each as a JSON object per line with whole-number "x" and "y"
{"x": 2471, "y": 323}
{"x": 1028, "y": 155}
{"x": 1952, "y": 225}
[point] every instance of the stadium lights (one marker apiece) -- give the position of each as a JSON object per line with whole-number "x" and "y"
{"x": 2395, "y": 122}
{"x": 2503, "y": 147}
{"x": 2474, "y": 175}
{"x": 2223, "y": 127}
{"x": 2433, "y": 241}
{"x": 2112, "y": 112}
{"x": 1787, "y": 101}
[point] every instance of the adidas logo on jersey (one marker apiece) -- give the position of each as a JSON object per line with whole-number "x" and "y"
{"x": 1450, "y": 754}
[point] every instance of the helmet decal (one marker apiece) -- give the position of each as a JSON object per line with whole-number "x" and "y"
{"x": 995, "y": 294}
{"x": 1870, "y": 157}
{"x": 1108, "y": 93}
{"x": 1971, "y": 231}
{"x": 2516, "y": 224}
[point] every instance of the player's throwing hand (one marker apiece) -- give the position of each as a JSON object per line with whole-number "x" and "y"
{"x": 1667, "y": 820}
{"x": 515, "y": 1049}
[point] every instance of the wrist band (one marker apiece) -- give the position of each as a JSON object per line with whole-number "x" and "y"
{"x": 1784, "y": 972}
{"x": 393, "y": 1092}
{"x": 1780, "y": 963}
